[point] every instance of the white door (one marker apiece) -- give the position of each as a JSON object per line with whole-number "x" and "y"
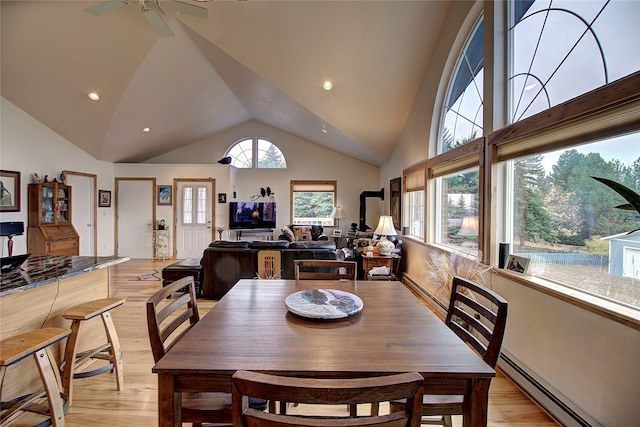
{"x": 83, "y": 210}
{"x": 134, "y": 217}
{"x": 631, "y": 262}
{"x": 193, "y": 218}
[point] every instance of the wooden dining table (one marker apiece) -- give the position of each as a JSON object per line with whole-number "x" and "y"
{"x": 250, "y": 328}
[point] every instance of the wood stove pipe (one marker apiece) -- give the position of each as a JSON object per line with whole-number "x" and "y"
{"x": 363, "y": 206}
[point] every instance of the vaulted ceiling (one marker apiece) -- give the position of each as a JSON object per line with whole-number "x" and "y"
{"x": 249, "y": 60}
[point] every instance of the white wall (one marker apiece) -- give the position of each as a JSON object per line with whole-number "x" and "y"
{"x": 28, "y": 146}
{"x": 591, "y": 362}
{"x": 306, "y": 160}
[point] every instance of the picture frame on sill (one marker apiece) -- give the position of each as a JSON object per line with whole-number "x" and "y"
{"x": 10, "y": 188}
{"x": 518, "y": 264}
{"x": 164, "y": 195}
{"x": 104, "y": 198}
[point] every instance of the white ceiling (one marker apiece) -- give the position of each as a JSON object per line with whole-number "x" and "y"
{"x": 250, "y": 60}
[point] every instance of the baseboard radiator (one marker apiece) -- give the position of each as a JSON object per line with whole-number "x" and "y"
{"x": 556, "y": 404}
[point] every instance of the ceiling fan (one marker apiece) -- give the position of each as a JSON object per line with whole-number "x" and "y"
{"x": 150, "y": 13}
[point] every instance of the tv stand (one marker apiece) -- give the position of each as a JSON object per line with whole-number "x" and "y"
{"x": 263, "y": 233}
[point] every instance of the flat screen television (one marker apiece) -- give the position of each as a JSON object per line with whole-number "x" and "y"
{"x": 247, "y": 215}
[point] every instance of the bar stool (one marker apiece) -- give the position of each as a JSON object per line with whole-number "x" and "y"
{"x": 37, "y": 343}
{"x": 109, "y": 351}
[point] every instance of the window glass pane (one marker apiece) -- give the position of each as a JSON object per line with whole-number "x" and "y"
{"x": 563, "y": 49}
{"x": 187, "y": 205}
{"x": 313, "y": 207}
{"x": 201, "y": 216}
{"x": 567, "y": 224}
{"x": 270, "y": 156}
{"x": 462, "y": 113}
{"x": 414, "y": 217}
{"x": 458, "y": 210}
{"x": 242, "y": 154}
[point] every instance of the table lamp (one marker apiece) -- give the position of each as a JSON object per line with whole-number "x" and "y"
{"x": 469, "y": 228}
{"x": 338, "y": 213}
{"x": 11, "y": 229}
{"x": 385, "y": 228}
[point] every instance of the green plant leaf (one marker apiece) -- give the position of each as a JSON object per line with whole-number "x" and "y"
{"x": 629, "y": 195}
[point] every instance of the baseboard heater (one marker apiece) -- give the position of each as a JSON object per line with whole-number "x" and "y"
{"x": 552, "y": 401}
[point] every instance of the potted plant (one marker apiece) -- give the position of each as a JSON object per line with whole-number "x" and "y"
{"x": 628, "y": 194}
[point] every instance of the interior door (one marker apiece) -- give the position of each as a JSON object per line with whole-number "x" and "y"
{"x": 83, "y": 210}
{"x": 194, "y": 213}
{"x": 135, "y": 216}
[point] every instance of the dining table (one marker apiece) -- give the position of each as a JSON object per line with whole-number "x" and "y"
{"x": 251, "y": 328}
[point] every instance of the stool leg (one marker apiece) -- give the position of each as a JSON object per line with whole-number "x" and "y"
{"x": 50, "y": 379}
{"x": 70, "y": 359}
{"x": 116, "y": 351}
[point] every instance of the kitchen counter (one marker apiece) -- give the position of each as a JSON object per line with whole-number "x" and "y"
{"x": 40, "y": 270}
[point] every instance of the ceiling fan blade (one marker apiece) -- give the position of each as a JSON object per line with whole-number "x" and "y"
{"x": 184, "y": 8}
{"x": 156, "y": 21}
{"x": 105, "y": 7}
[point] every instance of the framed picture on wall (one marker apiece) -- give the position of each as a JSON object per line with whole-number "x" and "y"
{"x": 164, "y": 195}
{"x": 104, "y": 198}
{"x": 10, "y": 185}
{"x": 395, "y": 201}
{"x": 222, "y": 197}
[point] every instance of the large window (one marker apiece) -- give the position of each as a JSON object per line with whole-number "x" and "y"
{"x": 414, "y": 201}
{"x": 256, "y": 151}
{"x": 312, "y": 202}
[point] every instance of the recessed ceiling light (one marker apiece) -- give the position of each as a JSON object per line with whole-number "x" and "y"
{"x": 324, "y": 129}
{"x": 327, "y": 85}
{"x": 146, "y": 130}
{"x": 94, "y": 96}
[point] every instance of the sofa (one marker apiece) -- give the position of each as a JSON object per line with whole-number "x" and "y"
{"x": 226, "y": 262}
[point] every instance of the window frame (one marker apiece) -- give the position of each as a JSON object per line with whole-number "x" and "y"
{"x": 313, "y": 184}
{"x": 255, "y": 142}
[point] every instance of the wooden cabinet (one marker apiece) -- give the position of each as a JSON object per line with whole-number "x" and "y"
{"x": 50, "y": 231}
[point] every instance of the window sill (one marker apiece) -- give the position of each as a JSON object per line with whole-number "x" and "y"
{"x": 611, "y": 310}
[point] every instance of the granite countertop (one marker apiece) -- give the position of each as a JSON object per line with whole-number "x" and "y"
{"x": 40, "y": 270}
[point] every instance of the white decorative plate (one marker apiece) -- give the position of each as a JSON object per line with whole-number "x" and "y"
{"x": 323, "y": 304}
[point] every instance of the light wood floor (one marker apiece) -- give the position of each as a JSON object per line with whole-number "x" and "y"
{"x": 97, "y": 402}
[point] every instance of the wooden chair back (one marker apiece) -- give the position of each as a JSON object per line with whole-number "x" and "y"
{"x": 171, "y": 312}
{"x": 477, "y": 323}
{"x": 321, "y": 269}
{"x": 334, "y": 391}
{"x": 269, "y": 265}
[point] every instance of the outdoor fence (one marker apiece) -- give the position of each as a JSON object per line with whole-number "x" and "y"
{"x": 567, "y": 258}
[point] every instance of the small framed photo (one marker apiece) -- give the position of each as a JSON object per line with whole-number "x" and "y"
{"x": 222, "y": 197}
{"x": 104, "y": 198}
{"x": 164, "y": 195}
{"x": 337, "y": 233}
{"x": 10, "y": 187}
{"x": 518, "y": 264}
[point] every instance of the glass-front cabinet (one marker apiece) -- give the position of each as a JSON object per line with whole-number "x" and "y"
{"x": 50, "y": 230}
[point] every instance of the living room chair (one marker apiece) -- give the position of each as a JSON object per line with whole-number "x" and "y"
{"x": 320, "y": 269}
{"x": 320, "y": 391}
{"x": 480, "y": 324}
{"x": 269, "y": 265}
{"x": 171, "y": 312}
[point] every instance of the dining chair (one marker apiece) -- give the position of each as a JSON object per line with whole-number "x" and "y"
{"x": 323, "y": 391}
{"x": 171, "y": 312}
{"x": 478, "y": 316}
{"x": 324, "y": 269}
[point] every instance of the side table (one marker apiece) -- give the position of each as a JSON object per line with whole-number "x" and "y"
{"x": 390, "y": 261}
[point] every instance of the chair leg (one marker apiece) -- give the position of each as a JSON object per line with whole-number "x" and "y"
{"x": 447, "y": 421}
{"x": 116, "y": 351}
{"x": 50, "y": 379}
{"x": 70, "y": 359}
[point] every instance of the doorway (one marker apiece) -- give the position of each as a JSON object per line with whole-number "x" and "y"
{"x": 84, "y": 217}
{"x": 194, "y": 210}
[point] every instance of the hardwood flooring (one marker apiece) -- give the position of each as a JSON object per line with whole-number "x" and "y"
{"x": 96, "y": 401}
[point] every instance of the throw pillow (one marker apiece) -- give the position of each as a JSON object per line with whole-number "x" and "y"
{"x": 302, "y": 232}
{"x": 288, "y": 234}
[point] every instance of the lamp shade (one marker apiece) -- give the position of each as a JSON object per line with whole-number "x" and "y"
{"x": 12, "y": 228}
{"x": 469, "y": 226}
{"x": 385, "y": 226}
{"x": 338, "y": 213}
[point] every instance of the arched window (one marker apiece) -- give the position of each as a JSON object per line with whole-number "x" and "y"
{"x": 462, "y": 110}
{"x": 560, "y": 50}
{"x": 256, "y": 151}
